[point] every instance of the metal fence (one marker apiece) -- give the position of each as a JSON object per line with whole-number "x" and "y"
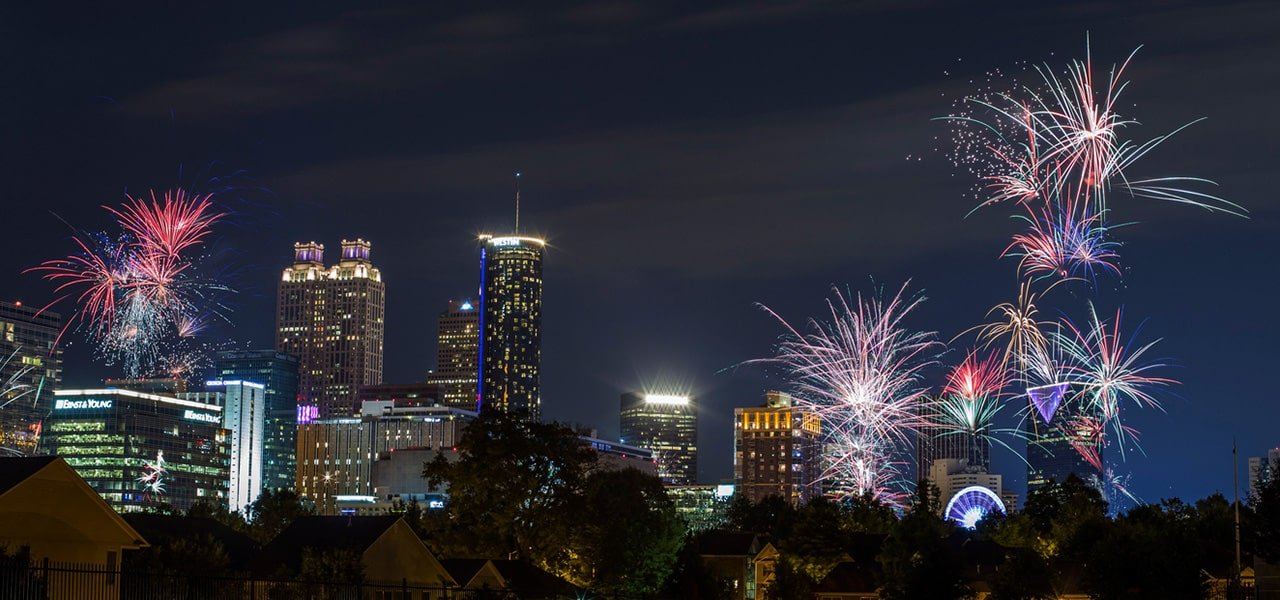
{"x": 68, "y": 581}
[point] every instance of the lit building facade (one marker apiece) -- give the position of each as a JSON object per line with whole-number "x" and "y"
{"x": 616, "y": 456}
{"x": 1052, "y": 443}
{"x": 332, "y": 319}
{"x": 244, "y": 416}
{"x": 777, "y": 451}
{"x": 510, "y": 324}
{"x": 1262, "y": 469}
{"x": 115, "y": 439}
{"x": 336, "y": 456}
{"x": 457, "y": 355}
{"x": 31, "y": 363}
{"x": 702, "y": 506}
{"x": 668, "y": 426}
{"x": 278, "y": 372}
{"x": 403, "y": 395}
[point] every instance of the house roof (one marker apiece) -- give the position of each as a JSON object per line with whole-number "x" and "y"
{"x": 15, "y": 470}
{"x": 529, "y": 581}
{"x": 345, "y": 532}
{"x": 43, "y": 498}
{"x": 848, "y": 576}
{"x": 463, "y": 569}
{"x": 159, "y": 529}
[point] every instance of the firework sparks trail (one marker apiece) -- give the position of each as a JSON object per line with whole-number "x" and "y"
{"x": 1114, "y": 488}
{"x": 138, "y": 292}
{"x": 1020, "y": 328}
{"x": 1056, "y": 148}
{"x": 1064, "y": 242}
{"x": 14, "y": 388}
{"x": 970, "y": 402}
{"x": 153, "y": 475}
{"x": 1108, "y": 372}
{"x": 860, "y": 373}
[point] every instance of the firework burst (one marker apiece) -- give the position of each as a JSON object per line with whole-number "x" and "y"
{"x": 1109, "y": 371}
{"x": 136, "y": 292}
{"x": 1057, "y": 148}
{"x": 860, "y": 372}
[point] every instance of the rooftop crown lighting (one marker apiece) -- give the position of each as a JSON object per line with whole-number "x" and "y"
{"x": 665, "y": 399}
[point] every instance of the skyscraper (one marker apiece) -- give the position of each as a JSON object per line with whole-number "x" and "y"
{"x": 279, "y": 373}
{"x": 776, "y": 451}
{"x": 1053, "y": 445}
{"x": 668, "y": 426}
{"x": 935, "y": 443}
{"x": 243, "y": 415}
{"x": 331, "y": 318}
{"x": 457, "y": 355}
{"x": 1261, "y": 470}
{"x": 510, "y": 324}
{"x": 29, "y": 361}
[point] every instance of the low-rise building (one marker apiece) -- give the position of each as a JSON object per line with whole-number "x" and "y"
{"x": 46, "y": 507}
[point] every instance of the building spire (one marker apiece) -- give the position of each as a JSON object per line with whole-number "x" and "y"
{"x": 517, "y": 202}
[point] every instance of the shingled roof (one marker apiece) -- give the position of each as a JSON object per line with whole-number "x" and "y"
{"x": 347, "y": 533}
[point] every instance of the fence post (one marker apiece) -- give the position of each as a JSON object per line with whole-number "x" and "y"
{"x": 404, "y": 588}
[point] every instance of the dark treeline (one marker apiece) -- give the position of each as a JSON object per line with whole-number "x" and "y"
{"x": 532, "y": 491}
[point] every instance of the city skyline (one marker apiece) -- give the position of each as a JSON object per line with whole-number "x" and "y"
{"x": 624, "y": 269}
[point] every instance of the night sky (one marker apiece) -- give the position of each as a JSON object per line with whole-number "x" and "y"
{"x": 684, "y": 164}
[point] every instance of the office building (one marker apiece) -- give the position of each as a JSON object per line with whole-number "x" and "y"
{"x": 244, "y": 416}
{"x": 404, "y": 395}
{"x": 1262, "y": 469}
{"x": 510, "y": 324}
{"x": 332, "y": 319}
{"x": 457, "y": 355}
{"x": 1054, "y": 446}
{"x": 162, "y": 386}
{"x": 142, "y": 450}
{"x": 777, "y": 451}
{"x": 30, "y": 372}
{"x": 938, "y": 443}
{"x": 278, "y": 372}
{"x": 702, "y": 507}
{"x": 336, "y": 456}
{"x": 668, "y": 426}
{"x": 616, "y": 456}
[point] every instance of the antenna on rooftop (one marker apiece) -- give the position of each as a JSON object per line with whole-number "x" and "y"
{"x": 517, "y": 202}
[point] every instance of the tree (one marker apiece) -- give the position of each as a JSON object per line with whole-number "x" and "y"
{"x": 273, "y": 511}
{"x": 514, "y": 490}
{"x": 1263, "y": 536}
{"x": 772, "y": 516}
{"x": 918, "y": 561}
{"x": 690, "y": 578}
{"x": 817, "y": 542}
{"x": 866, "y": 514}
{"x": 199, "y": 555}
{"x": 219, "y": 512}
{"x": 1066, "y": 517}
{"x": 331, "y": 565}
{"x": 1150, "y": 552}
{"x": 629, "y": 534}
